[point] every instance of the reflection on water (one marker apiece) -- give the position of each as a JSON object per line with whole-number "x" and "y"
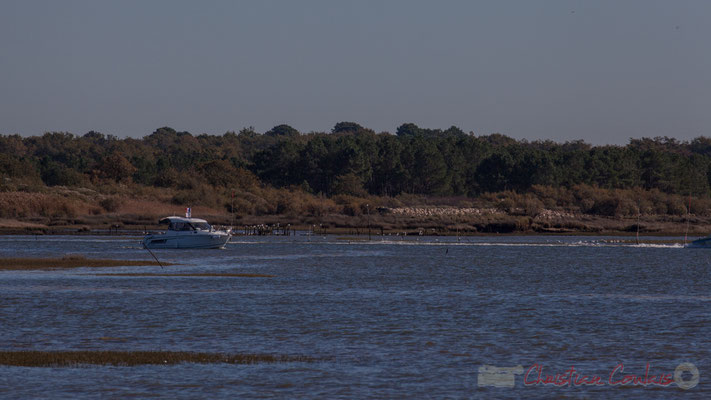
{"x": 393, "y": 317}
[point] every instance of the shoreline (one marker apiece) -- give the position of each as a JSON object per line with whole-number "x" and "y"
{"x": 495, "y": 224}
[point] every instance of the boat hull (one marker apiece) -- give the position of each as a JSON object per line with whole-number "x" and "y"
{"x": 193, "y": 240}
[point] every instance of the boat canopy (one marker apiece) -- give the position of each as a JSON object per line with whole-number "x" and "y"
{"x": 185, "y": 224}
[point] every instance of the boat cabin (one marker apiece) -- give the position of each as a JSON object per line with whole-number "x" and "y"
{"x": 186, "y": 224}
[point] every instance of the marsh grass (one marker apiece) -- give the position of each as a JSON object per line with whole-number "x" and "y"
{"x": 135, "y": 358}
{"x": 204, "y": 274}
{"x": 66, "y": 262}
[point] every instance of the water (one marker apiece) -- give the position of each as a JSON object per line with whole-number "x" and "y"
{"x": 399, "y": 317}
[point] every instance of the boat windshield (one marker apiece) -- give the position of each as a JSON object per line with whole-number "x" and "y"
{"x": 189, "y": 226}
{"x": 201, "y": 226}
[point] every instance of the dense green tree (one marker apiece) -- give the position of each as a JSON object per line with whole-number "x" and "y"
{"x": 282, "y": 130}
{"x": 388, "y": 171}
{"x": 408, "y": 129}
{"x": 353, "y": 159}
{"x": 56, "y": 174}
{"x": 117, "y": 168}
{"x": 347, "y": 127}
{"x": 495, "y": 173}
{"x": 453, "y": 131}
{"x": 429, "y": 169}
{"x": 277, "y": 165}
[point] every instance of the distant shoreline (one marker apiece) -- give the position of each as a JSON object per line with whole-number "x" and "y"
{"x": 382, "y": 224}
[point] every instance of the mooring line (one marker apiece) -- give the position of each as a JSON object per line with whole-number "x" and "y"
{"x": 154, "y": 256}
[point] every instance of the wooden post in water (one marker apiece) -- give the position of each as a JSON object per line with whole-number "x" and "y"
{"x": 367, "y": 208}
{"x": 688, "y": 213}
{"x": 638, "y": 214}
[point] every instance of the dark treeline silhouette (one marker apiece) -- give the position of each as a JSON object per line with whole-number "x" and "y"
{"x": 353, "y": 160}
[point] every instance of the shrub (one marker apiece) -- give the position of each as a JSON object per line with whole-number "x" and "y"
{"x": 168, "y": 177}
{"x": 532, "y": 206}
{"x": 606, "y": 206}
{"x": 110, "y": 204}
{"x": 700, "y": 206}
{"x": 627, "y": 207}
{"x": 506, "y": 205}
{"x": 675, "y": 206}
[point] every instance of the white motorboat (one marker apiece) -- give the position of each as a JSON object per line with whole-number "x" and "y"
{"x": 187, "y": 233}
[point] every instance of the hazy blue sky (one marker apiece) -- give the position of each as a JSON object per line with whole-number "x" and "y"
{"x": 602, "y": 71}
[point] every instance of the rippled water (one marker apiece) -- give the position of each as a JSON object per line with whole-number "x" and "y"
{"x": 399, "y": 317}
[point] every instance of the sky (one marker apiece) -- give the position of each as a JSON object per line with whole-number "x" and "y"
{"x": 601, "y": 71}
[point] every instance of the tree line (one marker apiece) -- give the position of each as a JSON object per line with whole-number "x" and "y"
{"x": 354, "y": 160}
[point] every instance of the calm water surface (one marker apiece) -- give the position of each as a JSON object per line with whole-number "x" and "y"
{"x": 414, "y": 317}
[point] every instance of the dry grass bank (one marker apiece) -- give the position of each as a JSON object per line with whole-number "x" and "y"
{"x": 581, "y": 209}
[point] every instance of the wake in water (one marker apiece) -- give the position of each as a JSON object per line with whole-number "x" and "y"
{"x": 581, "y": 243}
